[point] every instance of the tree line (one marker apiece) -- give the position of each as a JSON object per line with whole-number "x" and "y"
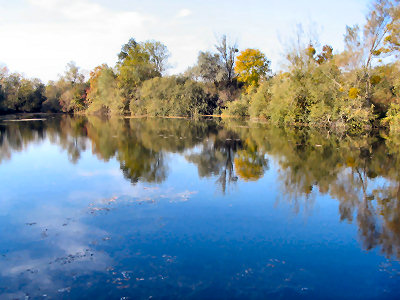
{"x": 352, "y": 90}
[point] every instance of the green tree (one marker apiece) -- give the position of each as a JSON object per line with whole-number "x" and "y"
{"x": 139, "y": 62}
{"x": 103, "y": 94}
{"x": 19, "y": 94}
{"x": 377, "y": 41}
{"x": 172, "y": 96}
{"x": 159, "y": 55}
{"x": 52, "y": 94}
{"x": 209, "y": 67}
{"x": 72, "y": 89}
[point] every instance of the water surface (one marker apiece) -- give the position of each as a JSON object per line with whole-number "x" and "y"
{"x": 174, "y": 208}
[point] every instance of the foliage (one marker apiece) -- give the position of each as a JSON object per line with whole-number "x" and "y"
{"x": 349, "y": 91}
{"x": 312, "y": 93}
{"x": 71, "y": 90}
{"x": 159, "y": 55}
{"x": 216, "y": 71}
{"x": 252, "y": 66}
{"x": 209, "y": 67}
{"x": 227, "y": 52}
{"x": 259, "y": 103}
{"x": 393, "y": 117}
{"x": 139, "y": 62}
{"x": 103, "y": 94}
{"x": 18, "y": 94}
{"x": 239, "y": 108}
{"x": 172, "y": 96}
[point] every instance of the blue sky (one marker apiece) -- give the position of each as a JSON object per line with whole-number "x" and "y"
{"x": 39, "y": 37}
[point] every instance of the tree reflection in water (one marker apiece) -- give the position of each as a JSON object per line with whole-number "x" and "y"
{"x": 361, "y": 172}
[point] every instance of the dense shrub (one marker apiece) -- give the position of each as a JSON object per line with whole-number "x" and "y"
{"x": 172, "y": 96}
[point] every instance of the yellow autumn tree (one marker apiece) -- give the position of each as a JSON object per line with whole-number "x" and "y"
{"x": 251, "y": 66}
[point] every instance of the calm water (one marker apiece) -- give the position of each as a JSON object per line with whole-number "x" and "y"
{"x": 170, "y": 209}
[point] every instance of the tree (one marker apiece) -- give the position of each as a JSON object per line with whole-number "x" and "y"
{"x": 172, "y": 96}
{"x": 392, "y": 40}
{"x": 352, "y": 57}
{"x": 19, "y": 94}
{"x": 131, "y": 44}
{"x": 228, "y": 54}
{"x": 159, "y": 55}
{"x": 154, "y": 53}
{"x": 380, "y": 39}
{"x": 30, "y": 95}
{"x": 103, "y": 93}
{"x": 139, "y": 62}
{"x": 72, "y": 87}
{"x": 325, "y": 55}
{"x": 72, "y": 74}
{"x": 300, "y": 50}
{"x": 209, "y": 67}
{"x": 375, "y": 30}
{"x": 251, "y": 66}
{"x": 133, "y": 70}
{"x": 52, "y": 94}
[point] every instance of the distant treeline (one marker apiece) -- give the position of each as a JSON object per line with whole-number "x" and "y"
{"x": 356, "y": 89}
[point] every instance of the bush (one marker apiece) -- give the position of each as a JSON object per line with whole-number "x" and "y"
{"x": 259, "y": 102}
{"x": 172, "y": 96}
{"x": 237, "y": 108}
{"x": 393, "y": 117}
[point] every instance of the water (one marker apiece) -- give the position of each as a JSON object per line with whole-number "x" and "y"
{"x": 173, "y": 208}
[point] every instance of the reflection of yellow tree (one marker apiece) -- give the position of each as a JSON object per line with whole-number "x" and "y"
{"x": 249, "y": 166}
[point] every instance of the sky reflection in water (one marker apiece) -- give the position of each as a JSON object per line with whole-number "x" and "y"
{"x": 164, "y": 208}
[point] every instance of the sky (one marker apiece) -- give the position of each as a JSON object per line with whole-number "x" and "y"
{"x": 39, "y": 37}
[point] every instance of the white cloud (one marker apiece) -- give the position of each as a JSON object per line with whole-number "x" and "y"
{"x": 184, "y": 13}
{"x": 40, "y": 38}
{"x": 55, "y": 32}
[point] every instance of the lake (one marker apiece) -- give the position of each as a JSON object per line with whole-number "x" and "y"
{"x": 185, "y": 209}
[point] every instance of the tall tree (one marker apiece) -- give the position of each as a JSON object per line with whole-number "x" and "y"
{"x": 209, "y": 67}
{"x": 379, "y": 39}
{"x": 73, "y": 89}
{"x": 159, "y": 55}
{"x": 131, "y": 44}
{"x": 376, "y": 29}
{"x": 392, "y": 40}
{"x": 227, "y": 52}
{"x": 72, "y": 74}
{"x": 139, "y": 62}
